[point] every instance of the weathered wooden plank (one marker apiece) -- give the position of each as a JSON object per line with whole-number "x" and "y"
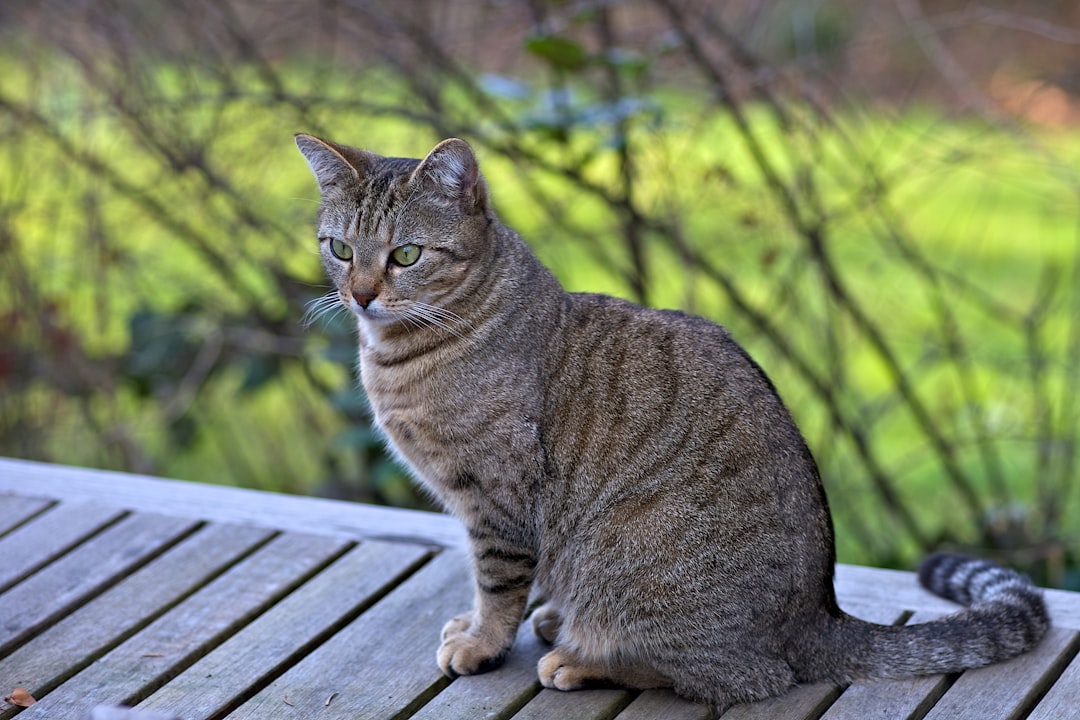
{"x": 46, "y": 537}
{"x": 57, "y": 589}
{"x": 895, "y": 588}
{"x": 872, "y": 587}
{"x": 380, "y": 665}
{"x": 1063, "y": 699}
{"x": 286, "y": 631}
{"x": 1007, "y": 690}
{"x": 80, "y": 638}
{"x": 15, "y": 510}
{"x": 890, "y": 699}
{"x": 883, "y": 614}
{"x": 663, "y": 705}
{"x": 493, "y": 694}
{"x": 230, "y": 504}
{"x": 201, "y": 622}
{"x": 802, "y": 701}
{"x": 103, "y": 712}
{"x": 578, "y": 704}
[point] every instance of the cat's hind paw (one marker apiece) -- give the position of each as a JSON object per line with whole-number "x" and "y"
{"x": 563, "y": 669}
{"x": 560, "y": 669}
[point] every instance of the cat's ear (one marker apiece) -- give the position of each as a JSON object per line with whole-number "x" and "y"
{"x": 333, "y": 165}
{"x": 451, "y": 173}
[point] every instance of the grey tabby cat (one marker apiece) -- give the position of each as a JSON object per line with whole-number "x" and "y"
{"x": 634, "y": 467}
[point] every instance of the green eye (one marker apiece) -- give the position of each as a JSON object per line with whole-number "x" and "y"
{"x": 341, "y": 250}
{"x": 406, "y": 255}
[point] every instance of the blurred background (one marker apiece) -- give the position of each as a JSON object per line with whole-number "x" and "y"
{"x": 881, "y": 199}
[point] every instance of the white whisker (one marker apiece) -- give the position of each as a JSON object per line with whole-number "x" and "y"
{"x": 410, "y": 322}
{"x": 432, "y": 315}
{"x": 322, "y": 308}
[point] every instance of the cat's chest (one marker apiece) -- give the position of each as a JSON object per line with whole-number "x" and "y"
{"x": 449, "y": 419}
{"x": 423, "y": 414}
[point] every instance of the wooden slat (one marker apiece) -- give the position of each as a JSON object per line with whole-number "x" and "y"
{"x": 1063, "y": 699}
{"x": 579, "y": 704}
{"x": 875, "y": 587}
{"x": 102, "y": 712}
{"x": 802, "y": 701}
{"x": 192, "y": 628}
{"x": 80, "y": 638}
{"x": 1006, "y": 690}
{"x": 381, "y": 664}
{"x": 503, "y": 690}
{"x": 15, "y": 510}
{"x": 287, "y": 630}
{"x": 46, "y": 537}
{"x": 229, "y": 504}
{"x": 62, "y": 585}
{"x": 654, "y": 704}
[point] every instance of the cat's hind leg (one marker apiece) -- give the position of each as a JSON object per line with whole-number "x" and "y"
{"x": 546, "y": 622}
{"x": 564, "y": 669}
{"x": 722, "y": 680}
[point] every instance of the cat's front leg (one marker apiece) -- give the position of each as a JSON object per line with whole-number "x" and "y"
{"x": 479, "y": 640}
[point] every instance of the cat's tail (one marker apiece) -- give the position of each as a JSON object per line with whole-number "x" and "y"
{"x": 1005, "y": 616}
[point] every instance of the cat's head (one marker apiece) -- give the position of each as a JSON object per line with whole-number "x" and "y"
{"x": 399, "y": 237}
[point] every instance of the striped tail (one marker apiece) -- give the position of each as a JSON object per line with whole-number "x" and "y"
{"x": 984, "y": 586}
{"x": 1005, "y": 616}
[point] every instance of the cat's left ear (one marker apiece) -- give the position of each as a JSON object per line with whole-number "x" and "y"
{"x": 333, "y": 165}
{"x": 450, "y": 172}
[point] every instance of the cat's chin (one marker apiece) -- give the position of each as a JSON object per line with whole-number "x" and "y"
{"x": 374, "y": 316}
{"x": 376, "y": 321}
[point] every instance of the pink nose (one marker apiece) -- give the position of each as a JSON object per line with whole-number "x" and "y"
{"x": 363, "y": 298}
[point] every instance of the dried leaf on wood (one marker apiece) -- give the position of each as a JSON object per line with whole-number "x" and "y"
{"x": 20, "y": 697}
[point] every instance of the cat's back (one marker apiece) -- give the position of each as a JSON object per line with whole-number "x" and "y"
{"x": 632, "y": 364}
{"x": 665, "y": 430}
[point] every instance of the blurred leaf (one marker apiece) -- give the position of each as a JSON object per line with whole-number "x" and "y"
{"x": 162, "y": 350}
{"x": 613, "y": 112}
{"x": 260, "y": 369}
{"x": 183, "y": 432}
{"x": 633, "y": 63}
{"x": 357, "y": 436}
{"x": 504, "y": 88}
{"x": 393, "y": 484}
{"x": 561, "y": 53}
{"x": 341, "y": 350}
{"x": 350, "y": 400}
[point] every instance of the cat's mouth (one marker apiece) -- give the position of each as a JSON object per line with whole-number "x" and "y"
{"x": 371, "y": 310}
{"x": 414, "y": 315}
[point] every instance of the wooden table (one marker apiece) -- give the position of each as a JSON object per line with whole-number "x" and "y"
{"x": 201, "y": 601}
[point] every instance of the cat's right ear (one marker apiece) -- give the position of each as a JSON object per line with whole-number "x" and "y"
{"x": 333, "y": 165}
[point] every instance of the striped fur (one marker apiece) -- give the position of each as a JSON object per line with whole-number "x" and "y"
{"x": 633, "y": 467}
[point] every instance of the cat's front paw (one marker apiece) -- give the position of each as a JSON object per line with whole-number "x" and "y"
{"x": 457, "y": 626}
{"x": 467, "y": 652}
